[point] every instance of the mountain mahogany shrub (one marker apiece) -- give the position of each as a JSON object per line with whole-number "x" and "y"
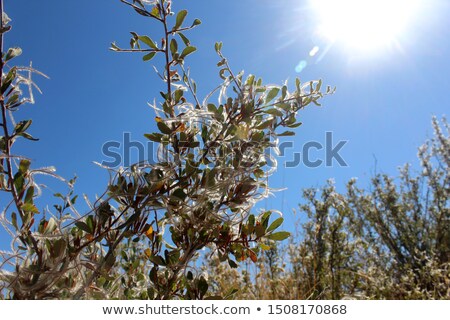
{"x": 36, "y": 247}
{"x": 323, "y": 258}
{"x": 46, "y": 258}
{"x": 141, "y": 236}
{"x": 213, "y": 161}
{"x": 265, "y": 279}
{"x": 315, "y": 262}
{"x": 390, "y": 241}
{"x": 406, "y": 227}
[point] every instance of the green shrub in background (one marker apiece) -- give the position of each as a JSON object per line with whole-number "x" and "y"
{"x": 388, "y": 241}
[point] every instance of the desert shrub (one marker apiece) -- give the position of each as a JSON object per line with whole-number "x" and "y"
{"x": 140, "y": 237}
{"x": 387, "y": 241}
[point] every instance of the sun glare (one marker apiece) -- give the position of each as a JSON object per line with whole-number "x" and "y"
{"x": 364, "y": 24}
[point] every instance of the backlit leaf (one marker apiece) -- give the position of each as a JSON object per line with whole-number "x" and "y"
{"x": 180, "y": 18}
{"x": 279, "y": 236}
{"x": 275, "y": 224}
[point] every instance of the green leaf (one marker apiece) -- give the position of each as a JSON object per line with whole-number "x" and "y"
{"x": 59, "y": 247}
{"x": 265, "y": 219}
{"x": 185, "y": 39}
{"x": 275, "y": 224}
{"x": 319, "y": 85}
{"x": 284, "y": 92}
{"x": 279, "y": 236}
{"x": 29, "y": 195}
{"x": 251, "y": 220}
{"x": 218, "y": 46}
{"x": 149, "y": 56}
{"x": 8, "y": 79}
{"x": 260, "y": 230}
{"x": 90, "y": 223}
{"x": 22, "y": 126}
{"x": 274, "y": 112}
{"x": 51, "y": 226}
{"x": 272, "y": 94}
{"x": 297, "y": 85}
{"x": 291, "y": 119}
{"x": 212, "y": 108}
{"x": 187, "y": 51}
{"x": 295, "y": 125}
{"x": 264, "y": 125}
{"x": 286, "y": 134}
{"x": 211, "y": 178}
{"x": 155, "y": 12}
{"x": 204, "y": 133}
{"x": 158, "y": 260}
{"x": 29, "y": 207}
{"x": 153, "y": 275}
{"x": 250, "y": 80}
{"x": 194, "y": 86}
{"x": 179, "y": 193}
{"x": 82, "y": 226}
{"x": 202, "y": 286}
{"x": 164, "y": 128}
{"x": 24, "y": 165}
{"x": 114, "y": 47}
{"x": 196, "y": 22}
{"x": 13, "y": 100}
{"x": 14, "y": 220}
{"x": 155, "y": 137}
{"x": 180, "y": 18}
{"x": 12, "y": 53}
{"x": 148, "y": 42}
{"x": 5, "y": 28}
{"x": 284, "y": 106}
{"x": 178, "y": 94}
{"x": 27, "y": 136}
{"x": 173, "y": 46}
{"x": 19, "y": 181}
{"x": 222, "y": 62}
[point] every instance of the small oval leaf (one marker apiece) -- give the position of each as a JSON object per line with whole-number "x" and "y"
{"x": 279, "y": 236}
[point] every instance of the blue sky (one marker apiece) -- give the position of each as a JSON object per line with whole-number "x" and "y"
{"x": 383, "y": 105}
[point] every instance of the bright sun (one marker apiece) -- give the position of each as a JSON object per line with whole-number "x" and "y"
{"x": 364, "y": 24}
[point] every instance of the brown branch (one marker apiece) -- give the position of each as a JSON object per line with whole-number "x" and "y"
{"x": 168, "y": 63}
{"x": 7, "y": 137}
{"x": 79, "y": 294}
